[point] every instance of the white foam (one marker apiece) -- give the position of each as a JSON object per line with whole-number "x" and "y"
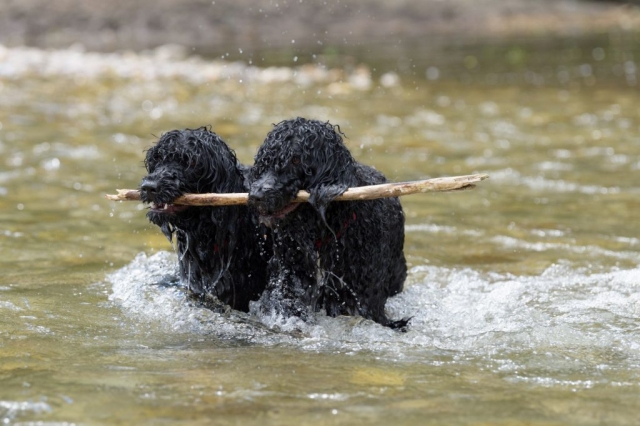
{"x": 433, "y": 228}
{"x": 4, "y": 304}
{"x": 540, "y": 246}
{"x": 10, "y": 410}
{"x": 148, "y": 289}
{"x": 460, "y": 310}
{"x": 20, "y": 62}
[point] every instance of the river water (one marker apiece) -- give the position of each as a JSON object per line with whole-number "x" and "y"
{"x": 524, "y": 293}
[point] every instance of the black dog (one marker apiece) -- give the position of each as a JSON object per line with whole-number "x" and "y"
{"x": 344, "y": 257}
{"x": 218, "y": 247}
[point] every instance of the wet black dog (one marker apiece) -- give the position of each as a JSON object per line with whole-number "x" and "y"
{"x": 218, "y": 247}
{"x": 344, "y": 257}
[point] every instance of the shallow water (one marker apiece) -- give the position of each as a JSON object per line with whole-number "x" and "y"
{"x": 524, "y": 292}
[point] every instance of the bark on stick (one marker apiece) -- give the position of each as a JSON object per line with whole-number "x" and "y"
{"x": 385, "y": 190}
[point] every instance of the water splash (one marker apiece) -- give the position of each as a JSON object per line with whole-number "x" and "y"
{"x": 10, "y": 410}
{"x": 461, "y": 311}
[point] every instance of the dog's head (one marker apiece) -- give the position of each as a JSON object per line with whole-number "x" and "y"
{"x": 299, "y": 154}
{"x": 186, "y": 161}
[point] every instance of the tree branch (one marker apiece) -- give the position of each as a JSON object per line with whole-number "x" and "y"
{"x": 385, "y": 190}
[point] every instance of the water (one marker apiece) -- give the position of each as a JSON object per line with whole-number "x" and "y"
{"x": 523, "y": 292}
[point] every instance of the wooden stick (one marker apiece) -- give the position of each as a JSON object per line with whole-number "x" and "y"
{"x": 385, "y": 190}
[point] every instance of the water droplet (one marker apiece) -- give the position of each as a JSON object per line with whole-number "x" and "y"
{"x": 598, "y": 53}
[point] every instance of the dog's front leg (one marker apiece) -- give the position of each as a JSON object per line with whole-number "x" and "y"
{"x": 292, "y": 289}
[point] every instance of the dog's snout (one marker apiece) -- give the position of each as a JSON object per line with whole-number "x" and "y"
{"x": 149, "y": 187}
{"x": 266, "y": 195}
{"x": 259, "y": 189}
{"x": 256, "y": 199}
{"x": 256, "y": 194}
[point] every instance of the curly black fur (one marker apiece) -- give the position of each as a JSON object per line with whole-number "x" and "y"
{"x": 344, "y": 257}
{"x": 219, "y": 248}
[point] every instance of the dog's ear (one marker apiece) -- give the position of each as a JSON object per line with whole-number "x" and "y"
{"x": 322, "y": 195}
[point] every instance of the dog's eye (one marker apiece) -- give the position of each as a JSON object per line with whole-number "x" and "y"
{"x": 295, "y": 159}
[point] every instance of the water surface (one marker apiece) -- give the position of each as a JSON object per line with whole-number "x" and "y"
{"x": 524, "y": 292}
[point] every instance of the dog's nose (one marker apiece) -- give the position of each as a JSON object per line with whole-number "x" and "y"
{"x": 256, "y": 195}
{"x": 256, "y": 198}
{"x": 260, "y": 187}
{"x": 258, "y": 191}
{"x": 261, "y": 193}
{"x": 149, "y": 187}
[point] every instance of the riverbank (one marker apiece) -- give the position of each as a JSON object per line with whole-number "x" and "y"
{"x": 213, "y": 27}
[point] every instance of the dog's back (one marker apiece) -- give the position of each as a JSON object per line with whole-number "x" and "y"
{"x": 373, "y": 267}
{"x": 392, "y": 211}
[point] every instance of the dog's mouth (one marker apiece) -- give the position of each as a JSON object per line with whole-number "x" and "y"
{"x": 166, "y": 208}
{"x": 271, "y": 218}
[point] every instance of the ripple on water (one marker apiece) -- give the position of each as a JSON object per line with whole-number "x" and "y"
{"x": 542, "y": 184}
{"x": 10, "y": 410}
{"x": 460, "y": 310}
{"x": 591, "y": 250}
{"x": 152, "y": 66}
